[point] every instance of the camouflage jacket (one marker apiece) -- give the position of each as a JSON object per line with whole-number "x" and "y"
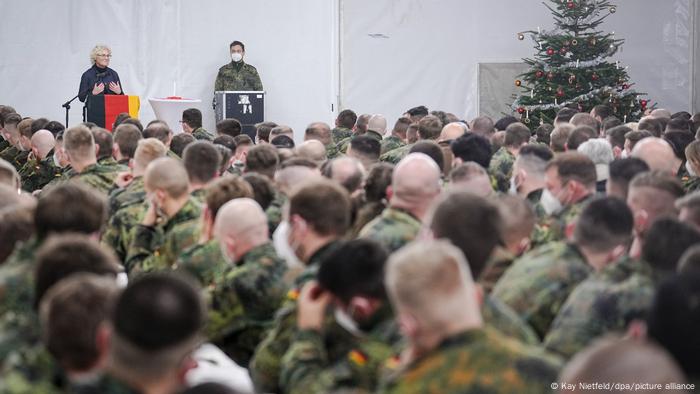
{"x": 244, "y": 301}
{"x": 238, "y": 76}
{"x": 201, "y": 134}
{"x": 538, "y": 283}
{"x": 390, "y": 143}
{"x": 500, "y": 317}
{"x": 133, "y": 192}
{"x": 393, "y": 229}
{"x": 157, "y": 248}
{"x": 605, "y": 302}
{"x": 308, "y": 368}
{"x": 476, "y": 361}
{"x": 96, "y": 176}
{"x": 274, "y": 211}
{"x": 534, "y": 198}
{"x": 265, "y": 364}
{"x": 340, "y": 133}
{"x": 394, "y": 156}
{"x": 4, "y": 144}
{"x": 37, "y": 174}
{"x": 556, "y": 227}
{"x": 499, "y": 261}
{"x": 112, "y": 167}
{"x": 501, "y": 166}
{"x": 204, "y": 262}
{"x": 332, "y": 151}
{"x": 15, "y": 156}
{"x": 691, "y": 184}
{"x": 121, "y": 226}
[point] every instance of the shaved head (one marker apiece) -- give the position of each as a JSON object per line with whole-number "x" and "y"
{"x": 416, "y": 180}
{"x": 657, "y": 153}
{"x": 290, "y": 177}
{"x": 318, "y": 131}
{"x": 240, "y": 226}
{"x": 312, "y": 150}
{"x": 452, "y": 131}
{"x": 167, "y": 174}
{"x": 42, "y": 143}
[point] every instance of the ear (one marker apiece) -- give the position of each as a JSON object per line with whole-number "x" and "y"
{"x": 641, "y": 218}
{"x": 408, "y": 324}
{"x": 524, "y": 245}
{"x": 131, "y": 164}
{"x": 103, "y": 339}
{"x": 637, "y": 329}
{"x": 115, "y": 150}
{"x": 617, "y": 151}
{"x": 389, "y": 193}
{"x": 479, "y": 294}
{"x": 362, "y": 306}
{"x": 97, "y": 150}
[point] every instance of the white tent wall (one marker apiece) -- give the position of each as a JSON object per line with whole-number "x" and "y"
{"x": 401, "y": 53}
{"x": 391, "y": 54}
{"x": 158, "y": 44}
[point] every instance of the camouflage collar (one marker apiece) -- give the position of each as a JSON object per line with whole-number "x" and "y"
{"x": 253, "y": 254}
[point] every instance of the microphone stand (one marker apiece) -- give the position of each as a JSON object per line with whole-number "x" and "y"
{"x": 66, "y": 105}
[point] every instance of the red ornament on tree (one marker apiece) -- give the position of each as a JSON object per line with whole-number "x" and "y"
{"x": 550, "y": 51}
{"x": 643, "y": 103}
{"x": 571, "y": 4}
{"x": 625, "y": 86}
{"x": 550, "y": 75}
{"x": 539, "y": 74}
{"x": 594, "y": 77}
{"x": 521, "y": 110}
{"x": 560, "y": 92}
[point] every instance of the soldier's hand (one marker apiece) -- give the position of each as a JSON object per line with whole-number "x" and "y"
{"x": 154, "y": 215}
{"x": 123, "y": 179}
{"x": 313, "y": 301}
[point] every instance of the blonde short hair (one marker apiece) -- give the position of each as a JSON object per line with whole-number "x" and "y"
{"x": 147, "y": 150}
{"x": 97, "y": 49}
{"x": 169, "y": 175}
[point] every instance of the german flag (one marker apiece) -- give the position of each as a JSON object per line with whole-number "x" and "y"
{"x": 103, "y": 110}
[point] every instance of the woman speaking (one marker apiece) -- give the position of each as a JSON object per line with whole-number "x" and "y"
{"x": 99, "y": 79}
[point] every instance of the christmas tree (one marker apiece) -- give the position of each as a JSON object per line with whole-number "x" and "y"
{"x": 572, "y": 66}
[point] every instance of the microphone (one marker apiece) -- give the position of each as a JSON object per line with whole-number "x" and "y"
{"x": 100, "y": 75}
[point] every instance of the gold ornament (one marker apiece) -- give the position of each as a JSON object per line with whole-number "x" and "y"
{"x": 518, "y": 82}
{"x": 613, "y": 9}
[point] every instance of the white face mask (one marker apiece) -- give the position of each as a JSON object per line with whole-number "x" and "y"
{"x": 550, "y": 203}
{"x": 279, "y": 241}
{"x": 236, "y": 57}
{"x": 624, "y": 154}
{"x": 56, "y": 161}
{"x": 690, "y": 170}
{"x": 347, "y": 322}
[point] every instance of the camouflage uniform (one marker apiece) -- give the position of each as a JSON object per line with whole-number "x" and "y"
{"x": 390, "y": 143}
{"x": 29, "y": 369}
{"x": 332, "y": 151}
{"x": 204, "y": 262}
{"x": 274, "y": 211}
{"x": 266, "y": 363}
{"x": 120, "y": 229}
{"x": 499, "y": 261}
{"x": 395, "y": 156}
{"x": 237, "y": 168}
{"x": 607, "y": 301}
{"x": 393, "y": 229}
{"x": 199, "y": 196}
{"x": 172, "y": 155}
{"x": 201, "y": 134}
{"x": 555, "y": 228}
{"x": 15, "y": 156}
{"x": 238, "y": 76}
{"x": 157, "y": 248}
{"x": 343, "y": 144}
{"x": 476, "y": 361}
{"x": 114, "y": 168}
{"x": 691, "y": 184}
{"x": 500, "y": 317}
{"x": 501, "y": 166}
{"x": 340, "y": 133}
{"x": 133, "y": 192}
{"x": 96, "y": 176}
{"x": 244, "y": 301}
{"x": 308, "y": 368}
{"x": 37, "y": 174}
{"x": 538, "y": 283}
{"x": 4, "y": 144}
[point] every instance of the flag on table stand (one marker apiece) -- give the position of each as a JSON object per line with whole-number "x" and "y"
{"x": 103, "y": 110}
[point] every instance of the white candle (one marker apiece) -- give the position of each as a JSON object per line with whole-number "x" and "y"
{"x": 174, "y": 88}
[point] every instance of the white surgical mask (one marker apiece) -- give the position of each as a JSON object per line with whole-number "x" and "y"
{"x": 56, "y": 162}
{"x": 624, "y": 154}
{"x": 347, "y": 322}
{"x": 690, "y": 170}
{"x": 550, "y": 202}
{"x": 236, "y": 57}
{"x": 279, "y": 241}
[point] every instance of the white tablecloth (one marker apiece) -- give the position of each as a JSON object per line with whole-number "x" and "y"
{"x": 170, "y": 110}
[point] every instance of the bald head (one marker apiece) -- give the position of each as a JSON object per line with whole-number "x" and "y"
{"x": 42, "y": 143}
{"x": 661, "y": 113}
{"x": 290, "y": 177}
{"x": 240, "y": 226}
{"x": 657, "y": 153}
{"x": 348, "y": 172}
{"x": 483, "y": 125}
{"x": 452, "y": 131}
{"x": 415, "y": 183}
{"x": 313, "y": 150}
{"x": 169, "y": 175}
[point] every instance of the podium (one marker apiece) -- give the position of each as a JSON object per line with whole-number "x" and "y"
{"x": 169, "y": 110}
{"x": 102, "y": 110}
{"x": 248, "y": 107}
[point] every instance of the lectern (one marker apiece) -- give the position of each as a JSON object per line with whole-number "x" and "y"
{"x": 246, "y": 106}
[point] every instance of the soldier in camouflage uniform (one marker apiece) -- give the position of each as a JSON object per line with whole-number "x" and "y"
{"x": 313, "y": 236}
{"x": 415, "y": 184}
{"x": 538, "y": 284}
{"x": 343, "y": 282}
{"x": 425, "y": 279}
{"x": 40, "y": 170}
{"x": 394, "y": 156}
{"x": 501, "y": 166}
{"x": 79, "y": 146}
{"x": 105, "y": 147}
{"x": 171, "y": 222}
{"x": 238, "y": 75}
{"x": 344, "y": 124}
{"x": 571, "y": 182}
{"x": 192, "y": 124}
{"x": 390, "y": 143}
{"x": 244, "y": 298}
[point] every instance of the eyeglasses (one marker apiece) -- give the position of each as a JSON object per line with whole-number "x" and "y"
{"x": 107, "y": 56}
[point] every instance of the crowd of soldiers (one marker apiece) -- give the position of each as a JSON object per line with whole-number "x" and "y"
{"x": 435, "y": 256}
